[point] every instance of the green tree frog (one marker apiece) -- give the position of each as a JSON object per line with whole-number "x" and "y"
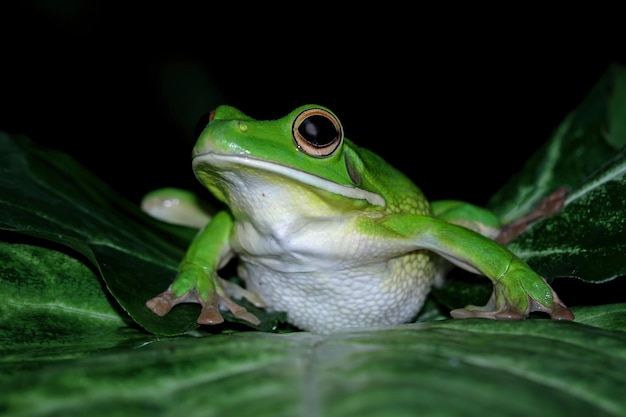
{"x": 329, "y": 233}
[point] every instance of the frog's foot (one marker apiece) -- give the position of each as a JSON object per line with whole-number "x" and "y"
{"x": 505, "y": 304}
{"x": 547, "y": 206}
{"x": 210, "y": 312}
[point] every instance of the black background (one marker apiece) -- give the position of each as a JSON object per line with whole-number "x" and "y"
{"x": 457, "y": 99}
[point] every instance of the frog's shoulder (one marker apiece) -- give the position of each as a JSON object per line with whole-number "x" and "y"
{"x": 377, "y": 175}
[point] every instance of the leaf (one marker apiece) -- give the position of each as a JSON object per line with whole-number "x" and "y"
{"x": 585, "y": 239}
{"x": 49, "y": 196}
{"x": 65, "y": 348}
{"x": 444, "y": 368}
{"x": 49, "y": 298}
{"x": 589, "y": 136}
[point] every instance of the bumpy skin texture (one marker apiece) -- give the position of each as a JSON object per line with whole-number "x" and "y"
{"x": 331, "y": 234}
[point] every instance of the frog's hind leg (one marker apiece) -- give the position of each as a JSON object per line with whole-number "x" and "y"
{"x": 177, "y": 206}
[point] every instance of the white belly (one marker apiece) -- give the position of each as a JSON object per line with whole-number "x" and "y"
{"x": 324, "y": 301}
{"x": 317, "y": 266}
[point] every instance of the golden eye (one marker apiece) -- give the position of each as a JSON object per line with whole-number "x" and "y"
{"x": 317, "y": 132}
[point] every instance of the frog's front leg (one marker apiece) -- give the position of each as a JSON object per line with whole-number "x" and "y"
{"x": 197, "y": 280}
{"x": 518, "y": 290}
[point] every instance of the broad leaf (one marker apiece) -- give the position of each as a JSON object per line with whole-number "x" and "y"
{"x": 49, "y": 298}
{"x": 49, "y": 196}
{"x": 586, "y": 239}
{"x": 586, "y": 154}
{"x": 443, "y": 368}
{"x": 587, "y": 139}
{"x": 66, "y": 349}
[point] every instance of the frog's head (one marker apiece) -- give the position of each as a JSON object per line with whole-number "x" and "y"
{"x": 306, "y": 148}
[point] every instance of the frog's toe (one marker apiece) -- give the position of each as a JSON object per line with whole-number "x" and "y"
{"x": 495, "y": 309}
{"x": 164, "y": 302}
{"x": 236, "y": 291}
{"x": 562, "y": 313}
{"x": 553, "y": 306}
{"x": 558, "y": 311}
{"x": 160, "y": 305}
{"x": 211, "y": 315}
{"x": 477, "y": 312}
{"x": 239, "y": 311}
{"x": 210, "y": 312}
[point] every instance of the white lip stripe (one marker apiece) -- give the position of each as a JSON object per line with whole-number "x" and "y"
{"x": 217, "y": 159}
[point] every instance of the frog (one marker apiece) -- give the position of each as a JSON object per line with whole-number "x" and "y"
{"x": 329, "y": 233}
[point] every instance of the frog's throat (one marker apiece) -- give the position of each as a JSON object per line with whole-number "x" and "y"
{"x": 221, "y": 160}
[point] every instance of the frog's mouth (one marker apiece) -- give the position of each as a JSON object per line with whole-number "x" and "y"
{"x": 214, "y": 159}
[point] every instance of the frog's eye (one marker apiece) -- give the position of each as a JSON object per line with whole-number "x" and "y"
{"x": 317, "y": 132}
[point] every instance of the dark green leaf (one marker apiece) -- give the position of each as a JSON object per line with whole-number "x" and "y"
{"x": 49, "y": 299}
{"x": 586, "y": 238}
{"x": 588, "y": 137}
{"x": 65, "y": 348}
{"x": 445, "y": 368}
{"x": 586, "y": 154}
{"x": 48, "y": 195}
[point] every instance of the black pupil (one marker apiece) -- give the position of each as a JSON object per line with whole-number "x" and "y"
{"x": 318, "y": 131}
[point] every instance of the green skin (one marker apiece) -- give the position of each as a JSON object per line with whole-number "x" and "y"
{"x": 329, "y": 232}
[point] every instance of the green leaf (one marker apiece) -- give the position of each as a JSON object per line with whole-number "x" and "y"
{"x": 49, "y": 196}
{"x": 586, "y": 238}
{"x": 64, "y": 348}
{"x": 589, "y": 136}
{"x": 445, "y": 368}
{"x": 586, "y": 154}
{"x": 49, "y": 298}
